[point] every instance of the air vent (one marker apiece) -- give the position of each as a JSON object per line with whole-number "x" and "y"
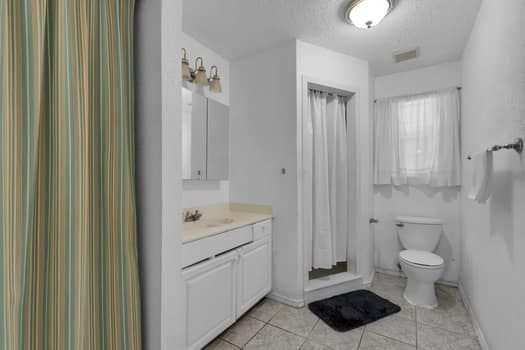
{"x": 400, "y": 56}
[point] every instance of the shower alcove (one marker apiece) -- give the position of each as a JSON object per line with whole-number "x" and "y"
{"x": 331, "y": 204}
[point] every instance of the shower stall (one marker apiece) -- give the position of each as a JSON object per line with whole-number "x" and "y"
{"x": 328, "y": 188}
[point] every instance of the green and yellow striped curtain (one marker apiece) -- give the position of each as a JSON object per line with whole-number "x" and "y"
{"x": 68, "y": 250}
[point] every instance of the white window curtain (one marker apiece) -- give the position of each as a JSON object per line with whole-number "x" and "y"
{"x": 325, "y": 180}
{"x": 416, "y": 140}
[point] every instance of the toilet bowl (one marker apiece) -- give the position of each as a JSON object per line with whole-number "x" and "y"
{"x": 420, "y": 236}
{"x": 422, "y": 269}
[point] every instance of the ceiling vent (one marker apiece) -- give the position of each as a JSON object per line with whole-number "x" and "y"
{"x": 401, "y": 56}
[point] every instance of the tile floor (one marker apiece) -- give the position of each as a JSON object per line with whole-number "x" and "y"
{"x": 273, "y": 326}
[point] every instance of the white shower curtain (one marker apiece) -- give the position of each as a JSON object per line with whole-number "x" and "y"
{"x": 325, "y": 181}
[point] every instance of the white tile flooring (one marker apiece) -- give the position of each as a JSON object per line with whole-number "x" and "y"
{"x": 273, "y": 326}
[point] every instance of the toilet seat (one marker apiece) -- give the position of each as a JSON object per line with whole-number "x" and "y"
{"x": 421, "y": 259}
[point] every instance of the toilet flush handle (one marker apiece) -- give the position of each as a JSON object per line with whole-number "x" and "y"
{"x": 399, "y": 224}
{"x": 373, "y": 221}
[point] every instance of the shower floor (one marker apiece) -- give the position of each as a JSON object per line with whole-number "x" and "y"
{"x": 320, "y": 273}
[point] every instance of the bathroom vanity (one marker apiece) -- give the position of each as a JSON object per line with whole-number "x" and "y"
{"x": 227, "y": 259}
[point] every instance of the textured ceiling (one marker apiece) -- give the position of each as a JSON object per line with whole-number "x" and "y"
{"x": 236, "y": 28}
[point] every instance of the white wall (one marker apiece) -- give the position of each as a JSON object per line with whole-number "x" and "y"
{"x": 158, "y": 166}
{"x": 195, "y": 193}
{"x": 440, "y": 76}
{"x": 148, "y": 147}
{"x": 341, "y": 70}
{"x": 262, "y": 141}
{"x": 390, "y": 201}
{"x": 493, "y": 245}
{"x": 173, "y": 325}
{"x": 263, "y": 131}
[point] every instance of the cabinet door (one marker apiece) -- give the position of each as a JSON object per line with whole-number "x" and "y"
{"x": 218, "y": 141}
{"x": 199, "y": 111}
{"x": 210, "y": 299}
{"x": 255, "y": 274}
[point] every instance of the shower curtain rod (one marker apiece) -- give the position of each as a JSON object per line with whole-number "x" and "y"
{"x": 419, "y": 93}
{"x": 328, "y": 93}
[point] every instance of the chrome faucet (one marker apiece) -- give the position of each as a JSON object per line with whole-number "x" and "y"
{"x": 192, "y": 217}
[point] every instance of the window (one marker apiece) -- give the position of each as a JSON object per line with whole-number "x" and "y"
{"x": 417, "y": 140}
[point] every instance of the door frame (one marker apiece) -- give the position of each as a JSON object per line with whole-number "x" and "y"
{"x": 356, "y": 259}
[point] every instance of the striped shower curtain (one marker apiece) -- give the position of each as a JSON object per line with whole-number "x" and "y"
{"x": 68, "y": 251}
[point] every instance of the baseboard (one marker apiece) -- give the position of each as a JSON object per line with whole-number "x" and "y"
{"x": 367, "y": 281}
{"x": 285, "y": 300}
{"x": 337, "y": 284}
{"x": 448, "y": 283}
{"x": 401, "y": 274}
{"x": 475, "y": 323}
{"x": 390, "y": 272}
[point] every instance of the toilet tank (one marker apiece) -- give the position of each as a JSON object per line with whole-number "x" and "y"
{"x": 419, "y": 233}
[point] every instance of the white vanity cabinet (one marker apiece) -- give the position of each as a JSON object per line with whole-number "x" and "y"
{"x": 219, "y": 290}
{"x": 254, "y": 270}
{"x": 210, "y": 299}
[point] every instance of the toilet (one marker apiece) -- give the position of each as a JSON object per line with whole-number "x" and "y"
{"x": 420, "y": 237}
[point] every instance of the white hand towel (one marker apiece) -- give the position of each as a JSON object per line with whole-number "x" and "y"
{"x": 481, "y": 177}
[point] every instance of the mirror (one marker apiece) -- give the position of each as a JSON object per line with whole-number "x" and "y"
{"x": 205, "y": 125}
{"x": 193, "y": 135}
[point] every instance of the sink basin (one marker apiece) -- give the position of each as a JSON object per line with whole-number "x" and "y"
{"x": 220, "y": 222}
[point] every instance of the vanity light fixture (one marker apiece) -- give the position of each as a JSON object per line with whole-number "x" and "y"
{"x": 215, "y": 80}
{"x": 186, "y": 70}
{"x": 198, "y": 75}
{"x": 368, "y": 13}
{"x": 201, "y": 79}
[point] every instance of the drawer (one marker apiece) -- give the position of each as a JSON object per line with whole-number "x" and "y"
{"x": 201, "y": 249}
{"x": 262, "y": 229}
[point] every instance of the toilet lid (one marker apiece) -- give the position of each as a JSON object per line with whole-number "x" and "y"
{"x": 421, "y": 257}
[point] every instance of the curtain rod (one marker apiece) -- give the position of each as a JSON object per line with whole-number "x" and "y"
{"x": 328, "y": 93}
{"x": 419, "y": 93}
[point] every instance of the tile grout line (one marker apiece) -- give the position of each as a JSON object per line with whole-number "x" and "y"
{"x": 286, "y": 330}
{"x": 224, "y": 340}
{"x": 394, "y": 339}
{"x": 291, "y": 332}
{"x": 305, "y": 338}
{"x": 253, "y": 336}
{"x": 417, "y": 327}
{"x": 259, "y": 331}
{"x": 264, "y": 322}
{"x": 361, "y": 338}
{"x": 267, "y": 323}
{"x": 432, "y": 325}
{"x": 310, "y": 333}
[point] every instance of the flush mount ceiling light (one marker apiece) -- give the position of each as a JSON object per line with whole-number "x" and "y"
{"x": 368, "y": 13}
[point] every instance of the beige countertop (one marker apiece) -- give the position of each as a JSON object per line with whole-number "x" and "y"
{"x": 220, "y": 218}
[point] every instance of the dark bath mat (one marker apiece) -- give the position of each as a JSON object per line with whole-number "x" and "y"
{"x": 351, "y": 310}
